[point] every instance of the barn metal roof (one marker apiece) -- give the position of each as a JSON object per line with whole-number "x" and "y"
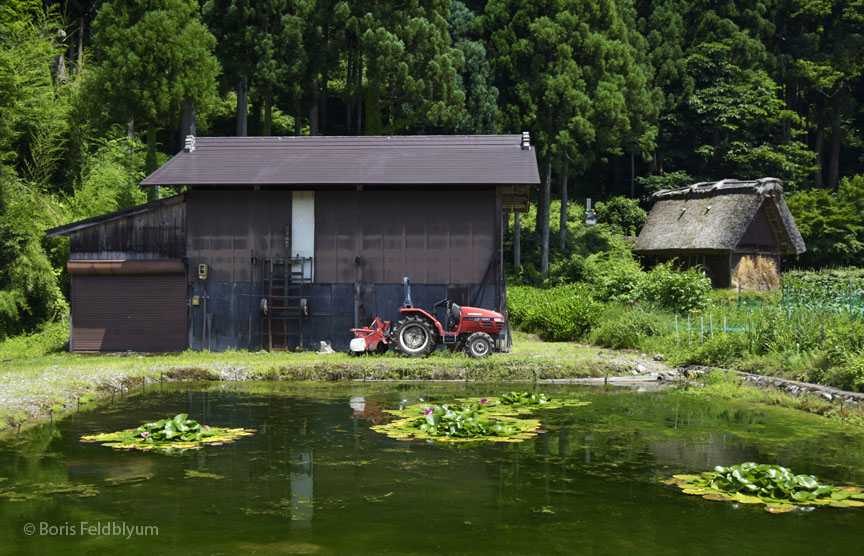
{"x": 408, "y": 160}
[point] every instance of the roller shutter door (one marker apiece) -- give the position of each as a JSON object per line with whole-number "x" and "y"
{"x": 129, "y": 312}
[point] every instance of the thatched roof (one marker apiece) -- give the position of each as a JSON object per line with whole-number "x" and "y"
{"x": 713, "y": 217}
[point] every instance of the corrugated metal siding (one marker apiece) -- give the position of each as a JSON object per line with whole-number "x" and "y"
{"x": 129, "y": 312}
{"x": 226, "y": 228}
{"x": 445, "y": 159}
{"x": 159, "y": 233}
{"x": 379, "y": 237}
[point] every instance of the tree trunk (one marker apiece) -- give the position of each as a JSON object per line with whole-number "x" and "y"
{"x": 359, "y": 99}
{"x": 349, "y": 100}
{"x": 836, "y": 137}
{"x": 544, "y": 225}
{"x": 313, "y": 120}
{"x": 517, "y": 239}
{"x": 324, "y": 77}
{"x": 298, "y": 120}
{"x": 562, "y": 233}
{"x": 820, "y": 146}
{"x": 268, "y": 116}
{"x": 242, "y": 105}
{"x": 187, "y": 122}
{"x": 130, "y": 128}
{"x": 150, "y": 162}
{"x": 80, "y": 64}
{"x": 632, "y": 176}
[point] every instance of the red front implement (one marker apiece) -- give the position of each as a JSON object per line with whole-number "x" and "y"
{"x": 374, "y": 338}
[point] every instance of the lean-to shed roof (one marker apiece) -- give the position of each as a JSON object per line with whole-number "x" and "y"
{"x": 407, "y": 160}
{"x": 116, "y": 215}
{"x": 713, "y": 216}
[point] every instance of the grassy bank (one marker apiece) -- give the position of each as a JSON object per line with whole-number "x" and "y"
{"x": 812, "y": 330}
{"x": 36, "y": 377}
{"x": 728, "y": 385}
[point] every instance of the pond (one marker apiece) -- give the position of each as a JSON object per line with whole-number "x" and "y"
{"x": 314, "y": 479}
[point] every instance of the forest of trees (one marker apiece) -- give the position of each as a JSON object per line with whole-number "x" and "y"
{"x": 622, "y": 97}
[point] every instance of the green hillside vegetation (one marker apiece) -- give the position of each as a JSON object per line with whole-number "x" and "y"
{"x": 621, "y": 97}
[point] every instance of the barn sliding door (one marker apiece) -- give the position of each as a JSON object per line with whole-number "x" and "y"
{"x": 128, "y": 312}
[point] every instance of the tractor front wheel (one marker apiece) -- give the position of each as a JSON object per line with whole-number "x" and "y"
{"x": 478, "y": 345}
{"x": 414, "y": 336}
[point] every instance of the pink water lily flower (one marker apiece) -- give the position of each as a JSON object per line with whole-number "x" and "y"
{"x": 145, "y": 434}
{"x": 428, "y": 410}
{"x": 483, "y": 400}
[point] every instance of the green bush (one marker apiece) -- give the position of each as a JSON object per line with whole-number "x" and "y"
{"x": 674, "y": 290}
{"x": 614, "y": 276}
{"x": 721, "y": 350}
{"x": 628, "y": 327}
{"x": 557, "y": 314}
{"x": 623, "y": 215}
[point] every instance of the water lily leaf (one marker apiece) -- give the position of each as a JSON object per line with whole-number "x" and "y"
{"x": 688, "y": 478}
{"x": 696, "y": 491}
{"x": 745, "y": 499}
{"x": 719, "y": 497}
{"x": 850, "y": 488}
{"x": 803, "y": 496}
{"x": 846, "y": 504}
{"x": 779, "y": 508}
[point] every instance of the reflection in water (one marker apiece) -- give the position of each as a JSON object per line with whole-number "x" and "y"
{"x": 302, "y": 490}
{"x": 308, "y": 482}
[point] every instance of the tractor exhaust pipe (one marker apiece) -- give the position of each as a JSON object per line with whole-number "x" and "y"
{"x": 407, "y": 302}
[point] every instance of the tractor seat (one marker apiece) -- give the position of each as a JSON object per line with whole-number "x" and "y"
{"x": 455, "y": 311}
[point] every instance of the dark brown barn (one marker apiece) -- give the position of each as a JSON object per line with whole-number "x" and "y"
{"x": 735, "y": 230}
{"x": 279, "y": 242}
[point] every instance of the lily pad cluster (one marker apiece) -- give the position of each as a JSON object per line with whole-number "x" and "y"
{"x": 522, "y": 399}
{"x": 178, "y": 433}
{"x": 474, "y": 419}
{"x": 776, "y": 487}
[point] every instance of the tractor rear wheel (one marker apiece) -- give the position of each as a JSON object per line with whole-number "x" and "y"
{"x": 478, "y": 345}
{"x": 414, "y": 336}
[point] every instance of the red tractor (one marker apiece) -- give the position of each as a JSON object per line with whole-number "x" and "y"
{"x": 471, "y": 329}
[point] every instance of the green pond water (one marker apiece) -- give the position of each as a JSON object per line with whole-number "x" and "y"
{"x": 315, "y": 480}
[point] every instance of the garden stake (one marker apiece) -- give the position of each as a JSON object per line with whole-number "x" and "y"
{"x": 677, "y": 341}
{"x": 688, "y": 331}
{"x": 701, "y": 330}
{"x": 724, "y": 324}
{"x": 711, "y": 324}
{"x": 79, "y": 403}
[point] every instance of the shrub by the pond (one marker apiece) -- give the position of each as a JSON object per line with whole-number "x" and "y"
{"x": 776, "y": 487}
{"x": 675, "y": 290}
{"x": 627, "y": 327}
{"x": 558, "y": 314}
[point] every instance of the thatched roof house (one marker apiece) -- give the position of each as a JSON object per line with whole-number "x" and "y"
{"x": 736, "y": 230}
